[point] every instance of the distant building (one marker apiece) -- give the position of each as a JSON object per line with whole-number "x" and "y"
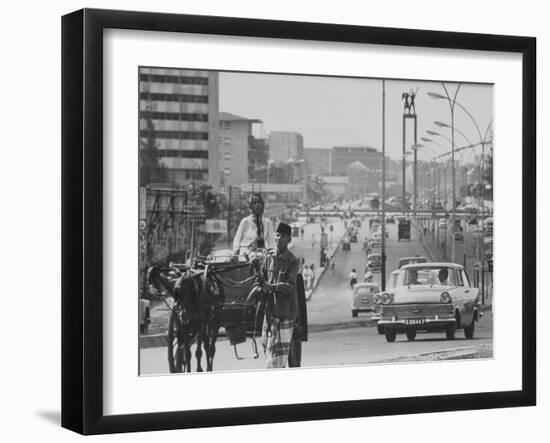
{"x": 238, "y": 149}
{"x": 336, "y": 185}
{"x": 358, "y": 185}
{"x": 344, "y": 156}
{"x": 178, "y": 111}
{"x": 285, "y": 145}
{"x": 318, "y": 161}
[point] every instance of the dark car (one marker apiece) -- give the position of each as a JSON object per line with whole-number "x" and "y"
{"x": 404, "y": 230}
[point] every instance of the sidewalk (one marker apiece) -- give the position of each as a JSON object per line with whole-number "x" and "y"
{"x": 309, "y": 247}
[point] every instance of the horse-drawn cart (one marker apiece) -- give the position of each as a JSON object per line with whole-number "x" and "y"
{"x": 221, "y": 297}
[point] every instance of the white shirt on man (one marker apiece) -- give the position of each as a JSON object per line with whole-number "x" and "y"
{"x": 247, "y": 233}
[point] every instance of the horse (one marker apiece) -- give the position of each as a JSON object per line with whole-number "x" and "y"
{"x": 196, "y": 310}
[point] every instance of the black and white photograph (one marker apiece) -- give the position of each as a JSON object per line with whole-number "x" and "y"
{"x": 299, "y": 221}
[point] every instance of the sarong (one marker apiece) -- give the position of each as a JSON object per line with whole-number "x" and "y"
{"x": 276, "y": 342}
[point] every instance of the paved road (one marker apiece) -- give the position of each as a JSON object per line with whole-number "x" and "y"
{"x": 348, "y": 346}
{"x": 331, "y": 301}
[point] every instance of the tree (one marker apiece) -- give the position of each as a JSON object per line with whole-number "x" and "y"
{"x": 150, "y": 169}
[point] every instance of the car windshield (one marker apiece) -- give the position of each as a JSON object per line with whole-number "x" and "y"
{"x": 392, "y": 281}
{"x": 436, "y": 275}
{"x": 406, "y": 261}
{"x": 367, "y": 289}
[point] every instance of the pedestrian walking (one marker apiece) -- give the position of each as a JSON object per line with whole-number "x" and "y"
{"x": 352, "y": 278}
{"x": 307, "y": 275}
{"x": 301, "y": 265}
{"x": 332, "y": 266}
{"x": 302, "y": 232}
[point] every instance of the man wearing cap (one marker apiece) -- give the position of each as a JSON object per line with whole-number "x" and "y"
{"x": 282, "y": 301}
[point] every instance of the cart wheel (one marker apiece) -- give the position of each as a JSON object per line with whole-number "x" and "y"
{"x": 176, "y": 355}
{"x": 295, "y": 353}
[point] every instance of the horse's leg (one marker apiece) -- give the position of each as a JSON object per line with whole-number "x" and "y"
{"x": 212, "y": 337}
{"x": 198, "y": 351}
{"x": 187, "y": 350}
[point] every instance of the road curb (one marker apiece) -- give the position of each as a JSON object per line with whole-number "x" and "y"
{"x": 159, "y": 340}
{"x": 470, "y": 352}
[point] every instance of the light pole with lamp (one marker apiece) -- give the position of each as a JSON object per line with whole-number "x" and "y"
{"x": 453, "y": 183}
{"x": 415, "y": 148}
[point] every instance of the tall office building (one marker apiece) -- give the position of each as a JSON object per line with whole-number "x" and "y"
{"x": 237, "y": 149}
{"x": 178, "y": 111}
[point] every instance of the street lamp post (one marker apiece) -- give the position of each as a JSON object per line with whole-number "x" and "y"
{"x": 453, "y": 183}
{"x": 383, "y": 268}
{"x": 415, "y": 148}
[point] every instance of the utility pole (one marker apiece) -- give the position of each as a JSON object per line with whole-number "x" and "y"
{"x": 383, "y": 269}
{"x": 229, "y": 220}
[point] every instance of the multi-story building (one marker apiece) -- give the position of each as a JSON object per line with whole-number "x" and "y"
{"x": 318, "y": 161}
{"x": 285, "y": 145}
{"x": 237, "y": 149}
{"x": 178, "y": 112}
{"x": 358, "y": 180}
{"x": 343, "y": 156}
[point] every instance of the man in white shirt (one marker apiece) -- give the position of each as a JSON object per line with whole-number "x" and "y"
{"x": 249, "y": 235}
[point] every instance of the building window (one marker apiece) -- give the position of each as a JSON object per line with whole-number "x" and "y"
{"x": 186, "y": 98}
{"x": 183, "y": 135}
{"x": 176, "y": 116}
{"x": 182, "y": 153}
{"x": 182, "y": 79}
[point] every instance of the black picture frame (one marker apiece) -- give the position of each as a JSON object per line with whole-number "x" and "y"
{"x": 82, "y": 218}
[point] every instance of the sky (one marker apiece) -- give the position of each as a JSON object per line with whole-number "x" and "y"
{"x": 331, "y": 111}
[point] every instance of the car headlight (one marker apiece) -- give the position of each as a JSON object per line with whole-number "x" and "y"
{"x": 387, "y": 298}
{"x": 377, "y": 299}
{"x": 445, "y": 297}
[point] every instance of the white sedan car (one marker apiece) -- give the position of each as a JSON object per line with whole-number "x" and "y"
{"x": 433, "y": 297}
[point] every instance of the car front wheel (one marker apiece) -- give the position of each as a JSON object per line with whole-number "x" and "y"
{"x": 469, "y": 330}
{"x": 450, "y": 332}
{"x": 390, "y": 335}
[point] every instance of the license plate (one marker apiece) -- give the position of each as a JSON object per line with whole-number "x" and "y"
{"x": 415, "y": 321}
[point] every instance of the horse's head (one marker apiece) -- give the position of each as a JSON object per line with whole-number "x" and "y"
{"x": 187, "y": 294}
{"x": 153, "y": 280}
